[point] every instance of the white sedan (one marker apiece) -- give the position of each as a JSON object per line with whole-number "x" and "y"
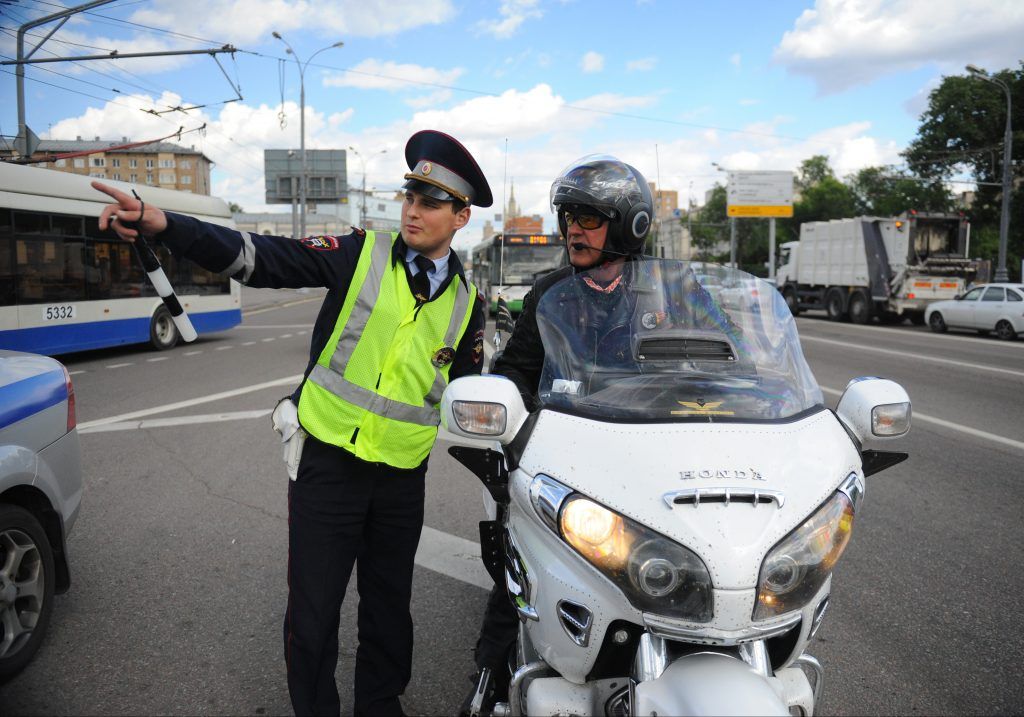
{"x": 985, "y": 308}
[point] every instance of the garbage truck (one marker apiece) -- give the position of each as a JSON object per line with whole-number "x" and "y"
{"x": 865, "y": 267}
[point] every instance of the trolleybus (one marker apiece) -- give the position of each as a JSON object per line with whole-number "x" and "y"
{"x": 67, "y": 286}
{"x": 507, "y": 265}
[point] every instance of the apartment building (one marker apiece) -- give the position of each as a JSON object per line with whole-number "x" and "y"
{"x": 158, "y": 164}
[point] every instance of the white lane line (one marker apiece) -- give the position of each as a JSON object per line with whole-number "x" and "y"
{"x": 959, "y": 427}
{"x": 193, "y": 353}
{"x": 274, "y": 327}
{"x": 120, "y": 365}
{"x": 301, "y": 333}
{"x": 271, "y": 338}
{"x": 292, "y": 380}
{"x": 286, "y": 336}
{"x": 282, "y": 306}
{"x": 248, "y": 343}
{"x": 895, "y": 330}
{"x": 177, "y": 421}
{"x": 158, "y": 358}
{"x": 225, "y": 348}
{"x": 452, "y": 556}
{"x": 907, "y": 354}
{"x": 74, "y": 373}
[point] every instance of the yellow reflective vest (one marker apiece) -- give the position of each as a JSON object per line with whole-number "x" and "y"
{"x": 376, "y": 387}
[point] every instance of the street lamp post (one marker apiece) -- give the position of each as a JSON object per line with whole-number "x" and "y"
{"x": 362, "y": 164}
{"x": 1004, "y": 219}
{"x": 302, "y": 122}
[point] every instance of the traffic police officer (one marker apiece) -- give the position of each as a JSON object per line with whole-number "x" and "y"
{"x": 400, "y": 320}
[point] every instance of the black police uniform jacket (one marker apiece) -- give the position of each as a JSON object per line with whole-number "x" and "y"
{"x": 319, "y": 261}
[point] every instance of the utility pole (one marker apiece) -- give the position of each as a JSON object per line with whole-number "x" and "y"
{"x": 302, "y": 122}
{"x": 362, "y": 164}
{"x": 1004, "y": 219}
{"x": 27, "y": 141}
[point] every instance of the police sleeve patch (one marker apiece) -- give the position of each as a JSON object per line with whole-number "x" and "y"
{"x": 321, "y": 243}
{"x": 478, "y": 346}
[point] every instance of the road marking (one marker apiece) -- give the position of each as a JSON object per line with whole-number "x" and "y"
{"x": 907, "y": 354}
{"x": 922, "y": 334}
{"x": 286, "y": 336}
{"x": 452, "y": 556}
{"x": 74, "y": 373}
{"x": 270, "y": 338}
{"x": 287, "y": 380}
{"x": 225, "y": 348}
{"x": 176, "y": 421}
{"x": 193, "y": 353}
{"x": 282, "y": 306}
{"x": 248, "y": 343}
{"x": 158, "y": 358}
{"x": 916, "y": 416}
{"x": 120, "y": 365}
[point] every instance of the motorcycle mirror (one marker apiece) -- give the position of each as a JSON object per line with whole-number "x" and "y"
{"x": 483, "y": 408}
{"x": 875, "y": 409}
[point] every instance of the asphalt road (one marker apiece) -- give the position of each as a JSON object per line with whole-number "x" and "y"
{"x": 178, "y": 557}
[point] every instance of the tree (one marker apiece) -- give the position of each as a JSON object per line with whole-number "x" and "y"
{"x": 962, "y": 131}
{"x": 887, "y": 191}
{"x": 820, "y": 197}
{"x": 235, "y": 208}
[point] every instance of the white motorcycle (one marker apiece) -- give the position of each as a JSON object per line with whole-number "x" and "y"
{"x": 672, "y": 513}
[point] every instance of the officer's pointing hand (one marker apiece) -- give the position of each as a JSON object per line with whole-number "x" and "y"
{"x": 127, "y": 209}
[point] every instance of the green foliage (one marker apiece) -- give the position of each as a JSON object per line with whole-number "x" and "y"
{"x": 235, "y": 208}
{"x": 887, "y": 192}
{"x": 963, "y": 131}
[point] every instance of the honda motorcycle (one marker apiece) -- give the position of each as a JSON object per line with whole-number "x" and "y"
{"x": 669, "y": 518}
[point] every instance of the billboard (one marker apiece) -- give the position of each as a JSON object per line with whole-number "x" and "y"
{"x": 760, "y": 194}
{"x": 326, "y": 175}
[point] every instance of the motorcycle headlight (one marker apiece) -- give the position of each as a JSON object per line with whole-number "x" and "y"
{"x": 656, "y": 574}
{"x": 796, "y": 568}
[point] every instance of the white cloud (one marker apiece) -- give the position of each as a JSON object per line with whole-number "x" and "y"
{"x": 248, "y": 21}
{"x": 644, "y": 64}
{"x": 736, "y": 60}
{"x": 592, "y": 62}
{"x": 842, "y": 43}
{"x": 374, "y": 74}
{"x": 748, "y": 102}
{"x": 434, "y": 98}
{"x": 513, "y": 14}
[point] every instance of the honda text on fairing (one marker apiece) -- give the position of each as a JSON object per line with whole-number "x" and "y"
{"x": 676, "y": 506}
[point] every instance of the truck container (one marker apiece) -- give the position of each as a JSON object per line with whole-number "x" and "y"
{"x": 864, "y": 267}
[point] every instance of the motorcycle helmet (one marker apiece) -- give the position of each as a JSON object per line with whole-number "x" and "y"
{"x": 615, "y": 189}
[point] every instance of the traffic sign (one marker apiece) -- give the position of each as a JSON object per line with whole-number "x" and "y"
{"x": 760, "y": 194}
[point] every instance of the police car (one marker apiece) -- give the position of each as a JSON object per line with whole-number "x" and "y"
{"x": 40, "y": 493}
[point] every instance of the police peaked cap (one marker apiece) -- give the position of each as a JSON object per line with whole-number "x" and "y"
{"x": 443, "y": 169}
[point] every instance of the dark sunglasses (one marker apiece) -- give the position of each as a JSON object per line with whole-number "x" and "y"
{"x": 586, "y": 219}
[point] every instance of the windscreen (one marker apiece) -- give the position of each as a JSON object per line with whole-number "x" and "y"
{"x": 524, "y": 263}
{"x": 669, "y": 341}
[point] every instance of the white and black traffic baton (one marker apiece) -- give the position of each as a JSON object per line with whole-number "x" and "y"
{"x": 158, "y": 278}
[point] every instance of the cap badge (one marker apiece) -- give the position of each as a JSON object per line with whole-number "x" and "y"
{"x": 425, "y": 169}
{"x": 443, "y": 356}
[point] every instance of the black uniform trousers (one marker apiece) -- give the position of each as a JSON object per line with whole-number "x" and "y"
{"x": 344, "y": 511}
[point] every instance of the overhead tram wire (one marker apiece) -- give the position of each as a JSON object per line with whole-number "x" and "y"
{"x": 117, "y": 22}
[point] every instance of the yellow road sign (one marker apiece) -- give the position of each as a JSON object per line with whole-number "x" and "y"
{"x": 777, "y": 210}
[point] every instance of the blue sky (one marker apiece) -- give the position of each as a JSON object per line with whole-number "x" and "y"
{"x": 527, "y": 85}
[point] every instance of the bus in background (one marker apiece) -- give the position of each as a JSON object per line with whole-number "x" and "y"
{"x": 510, "y": 267}
{"x": 67, "y": 286}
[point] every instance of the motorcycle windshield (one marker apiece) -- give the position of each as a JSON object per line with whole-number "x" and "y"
{"x": 672, "y": 341}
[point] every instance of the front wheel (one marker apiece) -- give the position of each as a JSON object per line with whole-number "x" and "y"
{"x": 163, "y": 334}
{"x": 789, "y": 294}
{"x": 936, "y": 323}
{"x": 1005, "y": 331}
{"x": 26, "y": 588}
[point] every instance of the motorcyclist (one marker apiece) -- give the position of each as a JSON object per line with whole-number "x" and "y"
{"x": 604, "y": 208}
